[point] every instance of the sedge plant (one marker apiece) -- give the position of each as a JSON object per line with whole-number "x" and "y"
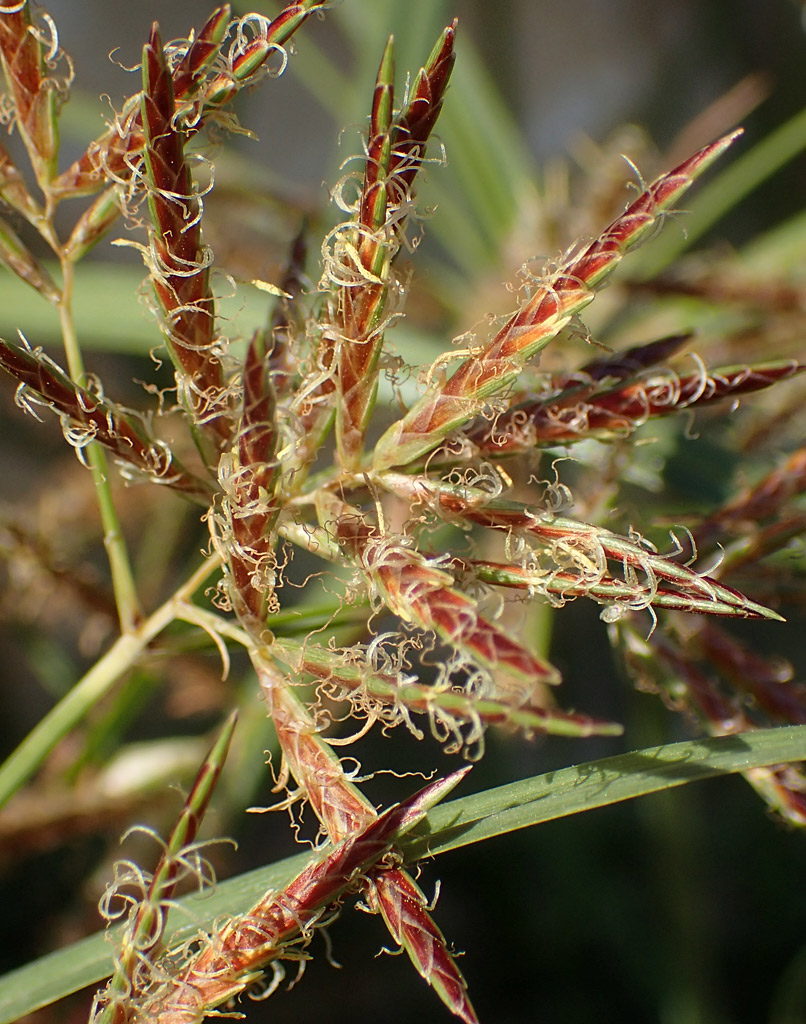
{"x": 384, "y": 538}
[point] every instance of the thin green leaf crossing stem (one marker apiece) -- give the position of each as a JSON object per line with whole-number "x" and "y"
{"x": 610, "y": 780}
{"x": 461, "y": 822}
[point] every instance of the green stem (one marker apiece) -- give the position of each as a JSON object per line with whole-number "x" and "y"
{"x": 120, "y": 657}
{"x": 122, "y": 577}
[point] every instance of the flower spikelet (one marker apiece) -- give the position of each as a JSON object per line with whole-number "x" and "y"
{"x": 728, "y": 689}
{"x": 358, "y": 254}
{"x": 423, "y": 594}
{"x": 585, "y": 408}
{"x": 179, "y": 264}
{"x": 14, "y": 191}
{"x": 205, "y": 81}
{"x": 88, "y": 416}
{"x": 495, "y": 368}
{"x": 137, "y": 967}
{"x": 248, "y": 477}
{"x": 340, "y": 806}
{"x": 382, "y": 691}
{"x": 25, "y": 58}
{"x": 117, "y": 152}
{"x": 397, "y": 897}
{"x": 572, "y": 557}
{"x": 282, "y": 923}
{"x": 17, "y": 257}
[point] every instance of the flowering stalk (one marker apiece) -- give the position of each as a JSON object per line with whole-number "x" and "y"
{"x": 429, "y": 529}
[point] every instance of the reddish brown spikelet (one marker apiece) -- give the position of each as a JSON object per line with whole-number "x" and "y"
{"x": 767, "y": 681}
{"x": 115, "y": 154}
{"x": 422, "y": 594}
{"x": 257, "y": 437}
{"x": 636, "y": 559}
{"x": 146, "y": 925}
{"x": 566, "y": 398}
{"x": 645, "y": 399}
{"x": 13, "y": 189}
{"x": 404, "y": 909}
{"x": 361, "y": 300}
{"x": 458, "y": 719}
{"x": 280, "y": 357}
{"x": 22, "y": 52}
{"x": 395, "y": 150}
{"x": 240, "y": 952}
{"x": 250, "y": 56}
{"x": 760, "y": 501}
{"x": 623, "y": 365}
{"x": 93, "y": 224}
{"x": 17, "y": 257}
{"x": 415, "y": 123}
{"x": 179, "y": 270}
{"x": 660, "y": 663}
{"x": 87, "y": 416}
{"x": 342, "y": 809}
{"x": 576, "y": 414}
{"x": 783, "y": 786}
{"x": 314, "y": 405}
{"x": 199, "y": 93}
{"x": 337, "y": 803}
{"x": 564, "y": 294}
{"x": 249, "y": 479}
{"x": 561, "y": 585}
{"x": 592, "y": 553}
{"x": 189, "y": 72}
